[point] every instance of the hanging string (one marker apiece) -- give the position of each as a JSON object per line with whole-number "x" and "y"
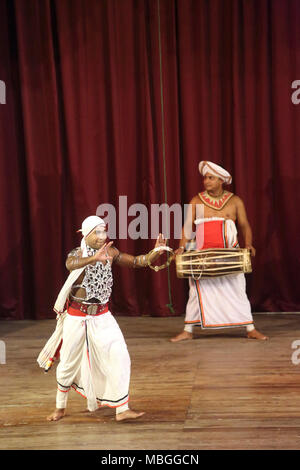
{"x": 170, "y": 304}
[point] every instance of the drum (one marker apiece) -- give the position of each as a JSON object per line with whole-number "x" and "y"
{"x": 214, "y": 262}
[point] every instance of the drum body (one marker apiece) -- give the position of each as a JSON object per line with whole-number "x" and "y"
{"x": 213, "y": 262}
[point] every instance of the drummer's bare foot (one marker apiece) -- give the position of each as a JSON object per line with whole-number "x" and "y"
{"x": 254, "y": 334}
{"x": 57, "y": 414}
{"x": 129, "y": 414}
{"x": 184, "y": 335}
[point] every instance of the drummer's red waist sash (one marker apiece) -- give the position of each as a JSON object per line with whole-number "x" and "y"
{"x": 80, "y": 309}
{"x": 211, "y": 234}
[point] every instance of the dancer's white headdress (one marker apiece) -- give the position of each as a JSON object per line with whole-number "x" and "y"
{"x": 89, "y": 224}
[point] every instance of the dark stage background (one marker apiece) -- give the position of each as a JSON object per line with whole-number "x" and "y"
{"x": 124, "y": 97}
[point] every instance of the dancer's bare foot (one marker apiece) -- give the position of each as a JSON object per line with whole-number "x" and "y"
{"x": 57, "y": 414}
{"x": 184, "y": 335}
{"x": 254, "y": 334}
{"x": 129, "y": 414}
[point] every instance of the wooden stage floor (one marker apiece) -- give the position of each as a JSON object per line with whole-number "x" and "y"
{"x": 218, "y": 391}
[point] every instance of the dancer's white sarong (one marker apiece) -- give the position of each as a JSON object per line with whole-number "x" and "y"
{"x": 219, "y": 302}
{"x": 94, "y": 361}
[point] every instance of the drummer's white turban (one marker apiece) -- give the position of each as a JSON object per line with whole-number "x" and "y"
{"x": 90, "y": 223}
{"x": 215, "y": 170}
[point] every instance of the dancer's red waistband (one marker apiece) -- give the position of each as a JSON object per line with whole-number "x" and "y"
{"x": 80, "y": 310}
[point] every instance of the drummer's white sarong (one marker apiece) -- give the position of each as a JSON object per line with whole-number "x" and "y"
{"x": 219, "y": 302}
{"x": 94, "y": 361}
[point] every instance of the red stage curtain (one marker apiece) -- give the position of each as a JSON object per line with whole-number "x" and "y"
{"x": 107, "y": 98}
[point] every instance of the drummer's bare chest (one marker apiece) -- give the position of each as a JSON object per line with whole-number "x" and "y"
{"x": 229, "y": 211}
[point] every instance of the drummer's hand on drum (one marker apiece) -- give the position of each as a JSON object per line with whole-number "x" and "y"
{"x": 179, "y": 251}
{"x": 252, "y": 250}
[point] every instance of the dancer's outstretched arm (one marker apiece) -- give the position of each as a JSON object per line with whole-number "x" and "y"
{"x": 140, "y": 261}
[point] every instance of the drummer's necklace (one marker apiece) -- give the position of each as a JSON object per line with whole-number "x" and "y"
{"x": 215, "y": 202}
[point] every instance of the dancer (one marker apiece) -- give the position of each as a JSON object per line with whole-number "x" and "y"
{"x": 94, "y": 359}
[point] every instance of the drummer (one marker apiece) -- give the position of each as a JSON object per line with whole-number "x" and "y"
{"x": 219, "y": 302}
